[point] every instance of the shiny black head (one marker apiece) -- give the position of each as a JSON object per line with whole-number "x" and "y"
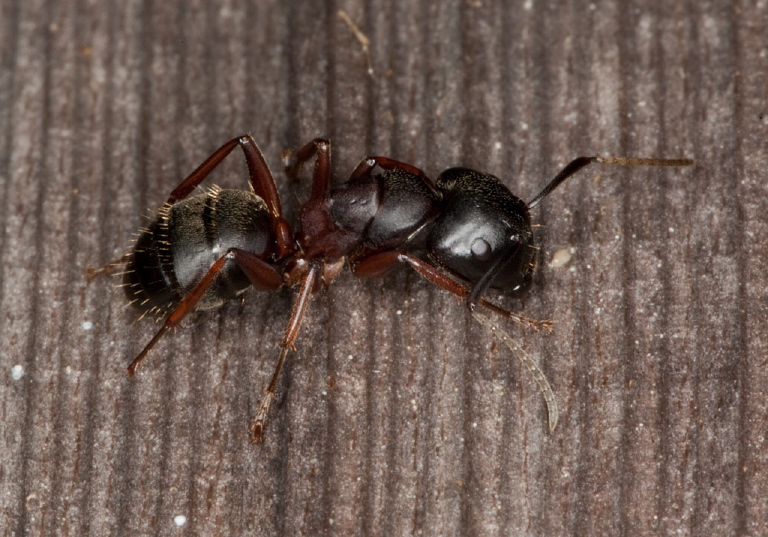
{"x": 483, "y": 233}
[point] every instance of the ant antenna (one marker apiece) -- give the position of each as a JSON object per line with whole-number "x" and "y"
{"x": 577, "y": 164}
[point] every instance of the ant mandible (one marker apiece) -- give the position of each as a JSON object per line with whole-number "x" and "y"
{"x": 203, "y": 250}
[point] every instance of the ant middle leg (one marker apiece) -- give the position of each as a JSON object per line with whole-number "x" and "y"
{"x": 287, "y": 345}
{"x": 320, "y": 150}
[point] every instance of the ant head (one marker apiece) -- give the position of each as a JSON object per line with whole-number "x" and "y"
{"x": 483, "y": 233}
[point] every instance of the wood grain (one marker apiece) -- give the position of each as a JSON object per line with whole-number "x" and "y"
{"x": 398, "y": 415}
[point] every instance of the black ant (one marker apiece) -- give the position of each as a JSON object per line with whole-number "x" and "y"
{"x": 203, "y": 250}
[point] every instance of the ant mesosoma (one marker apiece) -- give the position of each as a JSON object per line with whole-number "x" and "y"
{"x": 203, "y": 250}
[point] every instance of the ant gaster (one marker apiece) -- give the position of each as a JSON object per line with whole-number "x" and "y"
{"x": 203, "y": 250}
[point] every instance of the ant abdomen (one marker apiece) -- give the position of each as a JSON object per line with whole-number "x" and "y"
{"x": 186, "y": 238}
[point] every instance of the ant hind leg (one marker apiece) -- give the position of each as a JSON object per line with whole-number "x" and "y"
{"x": 107, "y": 269}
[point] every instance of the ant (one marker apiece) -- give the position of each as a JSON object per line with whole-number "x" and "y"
{"x": 465, "y": 232}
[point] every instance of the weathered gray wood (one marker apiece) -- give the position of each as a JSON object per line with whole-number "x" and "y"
{"x": 397, "y": 415}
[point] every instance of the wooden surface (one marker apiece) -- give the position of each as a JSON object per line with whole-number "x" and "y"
{"x": 398, "y": 415}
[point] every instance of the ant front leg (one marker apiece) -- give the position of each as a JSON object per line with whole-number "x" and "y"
{"x": 378, "y": 264}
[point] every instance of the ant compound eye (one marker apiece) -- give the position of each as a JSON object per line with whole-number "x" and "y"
{"x": 481, "y": 249}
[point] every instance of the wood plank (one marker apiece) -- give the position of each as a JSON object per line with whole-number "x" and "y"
{"x": 399, "y": 414}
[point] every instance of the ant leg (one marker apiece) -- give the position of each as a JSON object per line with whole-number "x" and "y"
{"x": 366, "y": 166}
{"x": 260, "y": 176}
{"x": 107, "y": 269}
{"x": 321, "y": 177}
{"x": 287, "y": 344}
{"x": 377, "y": 265}
{"x": 261, "y": 181}
{"x": 578, "y": 163}
{"x": 187, "y": 305}
{"x": 261, "y": 275}
{"x": 321, "y": 182}
{"x": 369, "y": 163}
